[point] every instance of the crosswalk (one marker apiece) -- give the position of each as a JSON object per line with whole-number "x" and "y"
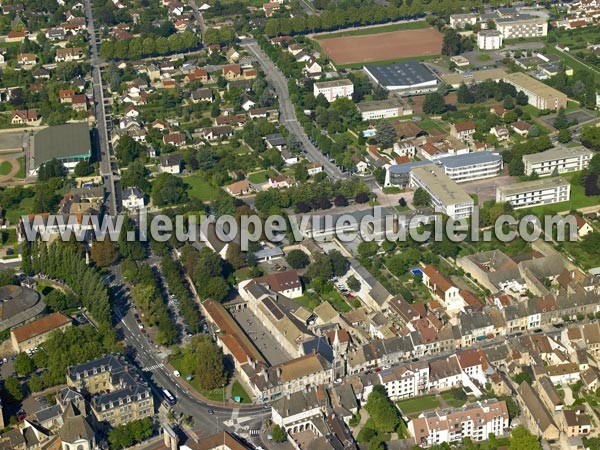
{"x": 153, "y": 368}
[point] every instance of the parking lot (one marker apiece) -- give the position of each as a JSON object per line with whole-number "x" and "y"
{"x": 486, "y": 189}
{"x": 262, "y": 338}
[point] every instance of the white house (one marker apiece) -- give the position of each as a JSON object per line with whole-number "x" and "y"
{"x": 133, "y": 198}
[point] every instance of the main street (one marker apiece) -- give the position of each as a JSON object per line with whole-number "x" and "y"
{"x": 287, "y": 110}
{"x": 106, "y": 169}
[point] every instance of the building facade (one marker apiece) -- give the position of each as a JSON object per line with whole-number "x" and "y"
{"x": 489, "y": 39}
{"x": 335, "y": 89}
{"x": 540, "y": 95}
{"x": 533, "y": 193}
{"x": 557, "y": 160}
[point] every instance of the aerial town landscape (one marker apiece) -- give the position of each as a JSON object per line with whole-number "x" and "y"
{"x": 385, "y": 224}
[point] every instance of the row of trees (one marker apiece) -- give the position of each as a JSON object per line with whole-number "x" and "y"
{"x": 273, "y": 200}
{"x": 63, "y": 260}
{"x": 204, "y": 360}
{"x": 178, "y": 286}
{"x": 208, "y": 271}
{"x": 127, "y": 435}
{"x": 147, "y": 296}
{"x": 139, "y": 47}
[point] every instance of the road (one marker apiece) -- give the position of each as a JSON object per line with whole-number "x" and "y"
{"x": 198, "y": 16}
{"x": 100, "y": 105}
{"x": 287, "y": 111}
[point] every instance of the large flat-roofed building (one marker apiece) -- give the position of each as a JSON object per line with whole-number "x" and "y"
{"x": 540, "y": 95}
{"x": 334, "y": 89}
{"x": 559, "y": 160}
{"x": 534, "y": 193}
{"x": 522, "y": 26}
{"x": 383, "y": 109}
{"x": 459, "y": 168}
{"x": 69, "y": 144}
{"x": 458, "y": 21}
{"x": 446, "y": 196}
{"x": 409, "y": 77}
{"x": 472, "y": 77}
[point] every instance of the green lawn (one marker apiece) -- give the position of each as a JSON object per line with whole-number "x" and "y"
{"x": 13, "y": 215}
{"x": 336, "y": 300}
{"x": 5, "y": 167}
{"x": 483, "y": 57}
{"x": 243, "y": 274}
{"x": 238, "y": 390}
{"x": 21, "y": 172}
{"x": 374, "y": 30}
{"x": 573, "y": 62}
{"x": 309, "y": 301}
{"x": 578, "y": 200}
{"x": 200, "y": 188}
{"x": 215, "y": 395}
{"x": 414, "y": 406}
{"x": 452, "y": 399}
{"x": 260, "y": 177}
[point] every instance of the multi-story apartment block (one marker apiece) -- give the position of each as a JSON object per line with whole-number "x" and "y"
{"x": 119, "y": 394}
{"x": 522, "y": 26}
{"x": 334, "y": 89}
{"x": 458, "y": 21}
{"x": 489, "y": 39}
{"x": 446, "y": 195}
{"x": 474, "y": 421}
{"x": 533, "y": 193}
{"x": 557, "y": 160}
{"x": 540, "y": 95}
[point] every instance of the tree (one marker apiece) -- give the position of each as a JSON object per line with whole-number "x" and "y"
{"x": 278, "y": 434}
{"x": 339, "y": 263}
{"x": 13, "y": 391}
{"x": 434, "y": 104}
{"x": 128, "y": 150}
{"x": 131, "y": 433}
{"x": 23, "y": 364}
{"x": 381, "y": 409}
{"x": 215, "y": 288}
{"x": 35, "y": 383}
{"x": 464, "y": 94}
{"x": 564, "y": 136}
{"x": 522, "y": 377}
{"x": 451, "y": 44}
{"x": 204, "y": 359}
{"x": 421, "y": 197}
{"x": 522, "y": 439}
{"x": 386, "y": 134}
{"x": 353, "y": 284}
{"x": 83, "y": 168}
{"x": 367, "y": 249}
{"x": 104, "y": 253}
{"x": 561, "y": 122}
{"x": 508, "y": 103}
{"x": 168, "y": 189}
{"x": 590, "y": 137}
{"x": 361, "y": 197}
{"x": 522, "y": 99}
{"x": 234, "y": 255}
{"x": 297, "y": 259}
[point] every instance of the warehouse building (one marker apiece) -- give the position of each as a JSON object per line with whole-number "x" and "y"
{"x": 408, "y": 77}
{"x": 559, "y": 160}
{"x": 540, "y": 95}
{"x": 533, "y": 193}
{"x": 69, "y": 144}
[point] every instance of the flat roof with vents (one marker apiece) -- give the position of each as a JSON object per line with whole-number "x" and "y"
{"x": 402, "y": 75}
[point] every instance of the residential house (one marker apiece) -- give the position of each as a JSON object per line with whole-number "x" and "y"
{"x": 242, "y": 187}
{"x": 501, "y": 133}
{"x": 232, "y": 72}
{"x": 202, "y": 95}
{"x": 463, "y": 130}
{"x": 69, "y": 54}
{"x": 170, "y": 164}
{"x": 521, "y": 128}
{"x": 133, "y": 198}
{"x": 443, "y": 289}
{"x": 26, "y": 60}
{"x": 539, "y": 421}
{"x": 218, "y": 132}
{"x": 177, "y": 139}
{"x": 24, "y": 116}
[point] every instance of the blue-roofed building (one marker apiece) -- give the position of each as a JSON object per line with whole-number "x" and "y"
{"x": 459, "y": 168}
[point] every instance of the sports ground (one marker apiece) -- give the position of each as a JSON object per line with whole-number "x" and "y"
{"x": 387, "y": 46}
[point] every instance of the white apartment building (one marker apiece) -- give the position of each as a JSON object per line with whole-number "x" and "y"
{"x": 334, "y": 89}
{"x": 458, "y": 21}
{"x": 472, "y": 166}
{"x": 383, "y": 109}
{"x": 446, "y": 196}
{"x": 475, "y": 421}
{"x": 489, "y": 40}
{"x": 533, "y": 193}
{"x": 561, "y": 160}
{"x": 522, "y": 26}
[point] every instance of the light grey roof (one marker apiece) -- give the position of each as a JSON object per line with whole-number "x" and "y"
{"x": 557, "y": 153}
{"x": 535, "y": 185}
{"x": 71, "y": 140}
{"x": 470, "y": 159}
